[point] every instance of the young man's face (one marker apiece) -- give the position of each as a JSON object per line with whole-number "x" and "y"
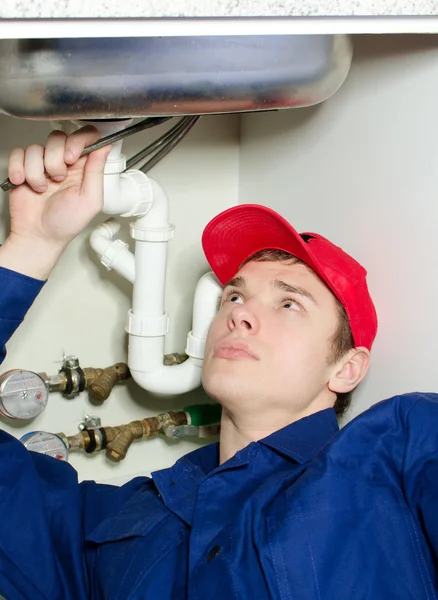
{"x": 269, "y": 345}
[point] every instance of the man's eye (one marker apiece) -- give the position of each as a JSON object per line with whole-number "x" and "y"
{"x": 232, "y": 296}
{"x": 290, "y": 304}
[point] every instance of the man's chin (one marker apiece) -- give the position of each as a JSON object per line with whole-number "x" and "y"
{"x": 223, "y": 386}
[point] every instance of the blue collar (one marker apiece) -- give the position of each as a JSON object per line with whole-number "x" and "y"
{"x": 303, "y": 439}
{"x": 300, "y": 441}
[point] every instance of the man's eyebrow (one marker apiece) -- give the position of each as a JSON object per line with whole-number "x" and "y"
{"x": 293, "y": 289}
{"x": 238, "y": 282}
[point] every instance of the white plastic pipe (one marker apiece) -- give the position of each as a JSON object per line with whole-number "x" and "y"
{"x": 115, "y": 200}
{"x": 147, "y": 321}
{"x": 125, "y": 193}
{"x": 146, "y": 353}
{"x": 149, "y": 286}
{"x": 113, "y": 254}
{"x": 205, "y": 305}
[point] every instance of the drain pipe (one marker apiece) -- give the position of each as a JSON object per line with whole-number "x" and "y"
{"x": 147, "y": 321}
{"x": 125, "y": 193}
{"x": 133, "y": 194}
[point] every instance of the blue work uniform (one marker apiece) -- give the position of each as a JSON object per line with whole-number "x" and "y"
{"x": 307, "y": 513}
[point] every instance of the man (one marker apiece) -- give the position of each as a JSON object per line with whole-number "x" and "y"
{"x": 286, "y": 506}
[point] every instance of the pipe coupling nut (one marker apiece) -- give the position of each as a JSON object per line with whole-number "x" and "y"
{"x": 151, "y": 234}
{"x": 147, "y": 326}
{"x": 115, "y": 165}
{"x": 139, "y": 187}
{"x": 195, "y": 347}
{"x": 111, "y": 253}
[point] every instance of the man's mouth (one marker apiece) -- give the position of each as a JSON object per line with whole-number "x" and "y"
{"x": 233, "y": 349}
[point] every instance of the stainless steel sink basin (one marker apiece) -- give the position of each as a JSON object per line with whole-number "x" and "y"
{"x": 134, "y": 77}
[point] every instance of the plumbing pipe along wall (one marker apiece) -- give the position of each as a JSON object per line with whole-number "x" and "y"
{"x": 147, "y": 322}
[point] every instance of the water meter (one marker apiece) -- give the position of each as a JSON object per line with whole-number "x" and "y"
{"x": 23, "y": 394}
{"x": 45, "y": 443}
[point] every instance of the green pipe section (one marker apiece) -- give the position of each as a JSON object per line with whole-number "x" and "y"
{"x": 204, "y": 414}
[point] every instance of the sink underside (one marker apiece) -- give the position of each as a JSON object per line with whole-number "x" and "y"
{"x": 97, "y": 78}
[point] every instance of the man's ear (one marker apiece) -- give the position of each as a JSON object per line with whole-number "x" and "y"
{"x": 349, "y": 371}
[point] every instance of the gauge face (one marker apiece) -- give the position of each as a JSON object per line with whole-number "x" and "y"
{"x": 23, "y": 394}
{"x": 45, "y": 443}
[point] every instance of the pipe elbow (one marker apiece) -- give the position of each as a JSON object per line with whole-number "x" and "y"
{"x": 102, "y": 236}
{"x": 205, "y": 304}
{"x": 113, "y": 254}
{"x": 170, "y": 380}
{"x": 207, "y": 296}
{"x": 157, "y": 217}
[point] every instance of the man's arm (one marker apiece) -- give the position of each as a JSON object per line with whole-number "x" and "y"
{"x": 47, "y": 517}
{"x": 58, "y": 195}
{"x": 420, "y": 466}
{"x": 17, "y": 294}
{"x": 41, "y": 543}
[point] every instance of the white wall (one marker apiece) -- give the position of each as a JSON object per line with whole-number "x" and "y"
{"x": 82, "y": 309}
{"x": 362, "y": 169}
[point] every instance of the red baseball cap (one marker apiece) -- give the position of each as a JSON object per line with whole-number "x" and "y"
{"x": 239, "y": 232}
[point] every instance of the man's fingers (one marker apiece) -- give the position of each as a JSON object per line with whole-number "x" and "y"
{"x": 34, "y": 167}
{"x": 16, "y": 166}
{"x": 36, "y": 162}
{"x": 77, "y": 141}
{"x": 54, "y": 156}
{"x": 92, "y": 183}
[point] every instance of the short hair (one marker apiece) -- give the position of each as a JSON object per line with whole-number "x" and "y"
{"x": 342, "y": 340}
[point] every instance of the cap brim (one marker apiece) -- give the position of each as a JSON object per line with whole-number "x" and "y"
{"x": 241, "y": 231}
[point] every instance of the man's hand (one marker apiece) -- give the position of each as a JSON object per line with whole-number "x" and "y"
{"x": 58, "y": 195}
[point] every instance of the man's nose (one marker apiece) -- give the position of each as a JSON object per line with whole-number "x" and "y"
{"x": 241, "y": 317}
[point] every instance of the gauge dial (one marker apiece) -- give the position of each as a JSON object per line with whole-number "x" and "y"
{"x": 23, "y": 394}
{"x": 45, "y": 443}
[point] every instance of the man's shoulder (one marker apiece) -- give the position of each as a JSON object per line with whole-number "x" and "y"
{"x": 399, "y": 408}
{"x": 394, "y": 422}
{"x": 379, "y": 441}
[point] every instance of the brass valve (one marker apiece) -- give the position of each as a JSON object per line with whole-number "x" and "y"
{"x": 100, "y": 382}
{"x": 198, "y": 420}
{"x": 72, "y": 379}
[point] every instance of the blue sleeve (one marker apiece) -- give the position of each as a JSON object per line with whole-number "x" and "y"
{"x": 17, "y": 293}
{"x": 41, "y": 546}
{"x": 420, "y": 466}
{"x": 45, "y": 518}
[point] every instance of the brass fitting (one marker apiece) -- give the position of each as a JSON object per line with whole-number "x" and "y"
{"x": 117, "y": 440}
{"x": 100, "y": 382}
